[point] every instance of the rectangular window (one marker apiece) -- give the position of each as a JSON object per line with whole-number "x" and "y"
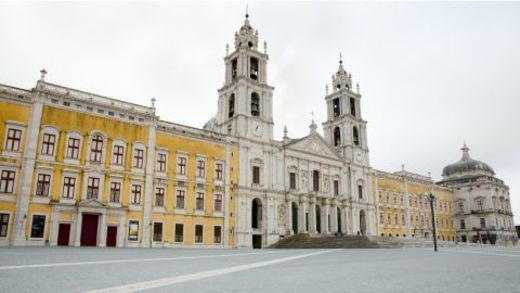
{"x": 256, "y": 175}
{"x": 292, "y": 180}
{"x": 201, "y": 167}
{"x": 43, "y": 184}
{"x": 14, "y": 136}
{"x": 336, "y": 187}
{"x": 135, "y": 197}
{"x": 180, "y": 199}
{"x": 219, "y": 171}
{"x": 161, "y": 162}
{"x": 69, "y": 184}
{"x": 402, "y": 218}
{"x": 360, "y": 191}
{"x": 462, "y": 224}
{"x": 315, "y": 180}
{"x": 73, "y": 148}
{"x": 119, "y": 154}
{"x": 253, "y": 71}
{"x": 7, "y": 181}
{"x": 199, "y": 201}
{"x": 179, "y": 232}
{"x": 133, "y": 230}
{"x": 38, "y": 226}
{"x": 218, "y": 203}
{"x": 157, "y": 232}
{"x": 92, "y": 188}
{"x": 381, "y": 218}
{"x": 199, "y": 233}
{"x": 115, "y": 191}
{"x": 4, "y": 224}
{"x": 336, "y": 107}
{"x": 482, "y": 222}
{"x": 138, "y": 158}
{"x": 159, "y": 197}
{"x": 96, "y": 149}
{"x": 181, "y": 164}
{"x": 217, "y": 234}
{"x": 48, "y": 144}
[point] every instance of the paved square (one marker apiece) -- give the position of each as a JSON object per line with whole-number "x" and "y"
{"x": 191, "y": 270}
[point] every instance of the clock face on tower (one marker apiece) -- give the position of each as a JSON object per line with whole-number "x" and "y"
{"x": 257, "y": 128}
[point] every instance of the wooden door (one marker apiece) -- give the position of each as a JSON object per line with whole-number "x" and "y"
{"x": 63, "y": 234}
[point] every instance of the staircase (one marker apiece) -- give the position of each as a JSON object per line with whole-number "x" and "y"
{"x": 331, "y": 241}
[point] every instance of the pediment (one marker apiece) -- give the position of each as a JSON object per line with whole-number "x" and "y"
{"x": 314, "y": 144}
{"x": 91, "y": 203}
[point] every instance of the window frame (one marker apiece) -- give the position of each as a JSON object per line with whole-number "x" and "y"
{"x": 5, "y": 224}
{"x": 220, "y": 235}
{"x": 218, "y": 202}
{"x": 136, "y": 192}
{"x": 160, "y": 192}
{"x": 43, "y": 179}
{"x": 195, "y": 234}
{"x": 162, "y": 165}
{"x": 44, "y": 230}
{"x": 200, "y": 198}
{"x": 182, "y": 165}
{"x": 175, "y": 234}
{"x": 71, "y": 150}
{"x": 178, "y": 196}
{"x": 6, "y": 181}
{"x": 118, "y": 153}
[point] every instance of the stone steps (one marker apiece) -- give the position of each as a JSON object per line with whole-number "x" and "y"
{"x": 321, "y": 241}
{"x": 348, "y": 241}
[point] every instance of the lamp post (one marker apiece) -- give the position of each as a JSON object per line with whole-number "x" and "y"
{"x": 431, "y": 199}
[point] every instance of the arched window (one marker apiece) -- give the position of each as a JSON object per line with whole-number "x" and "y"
{"x": 355, "y": 134}
{"x": 253, "y": 70}
{"x": 231, "y": 111}
{"x": 255, "y": 104}
{"x": 337, "y": 136}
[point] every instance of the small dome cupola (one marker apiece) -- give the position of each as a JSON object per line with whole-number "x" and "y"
{"x": 246, "y": 37}
{"x": 342, "y": 79}
{"x": 467, "y": 166}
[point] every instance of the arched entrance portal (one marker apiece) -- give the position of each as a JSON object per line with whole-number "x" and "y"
{"x": 362, "y": 222}
{"x": 256, "y": 222}
{"x": 318, "y": 219}
{"x": 294, "y": 213}
{"x": 338, "y": 215}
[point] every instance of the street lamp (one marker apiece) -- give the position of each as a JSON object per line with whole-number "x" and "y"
{"x": 431, "y": 199}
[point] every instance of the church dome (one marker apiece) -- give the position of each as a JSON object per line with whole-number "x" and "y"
{"x": 467, "y": 165}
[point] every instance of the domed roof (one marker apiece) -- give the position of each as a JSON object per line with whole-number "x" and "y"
{"x": 467, "y": 164}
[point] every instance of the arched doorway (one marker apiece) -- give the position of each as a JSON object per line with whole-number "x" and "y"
{"x": 256, "y": 214}
{"x": 294, "y": 208}
{"x": 338, "y": 215}
{"x": 318, "y": 219}
{"x": 362, "y": 222}
{"x": 256, "y": 222}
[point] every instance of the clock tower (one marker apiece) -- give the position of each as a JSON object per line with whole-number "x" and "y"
{"x": 345, "y": 129}
{"x": 245, "y": 101}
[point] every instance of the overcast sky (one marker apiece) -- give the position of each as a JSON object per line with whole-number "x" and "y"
{"x": 431, "y": 74}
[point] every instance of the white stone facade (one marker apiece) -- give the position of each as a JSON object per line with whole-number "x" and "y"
{"x": 307, "y": 185}
{"x": 481, "y": 204}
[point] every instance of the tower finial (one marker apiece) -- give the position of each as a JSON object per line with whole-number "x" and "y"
{"x": 247, "y": 11}
{"x": 465, "y": 151}
{"x": 340, "y": 58}
{"x": 43, "y": 72}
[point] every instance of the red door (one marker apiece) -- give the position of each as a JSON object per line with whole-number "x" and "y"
{"x": 89, "y": 227}
{"x": 111, "y": 236}
{"x": 64, "y": 234}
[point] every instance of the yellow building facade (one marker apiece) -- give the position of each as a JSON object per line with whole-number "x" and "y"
{"x": 403, "y": 208}
{"x": 86, "y": 170}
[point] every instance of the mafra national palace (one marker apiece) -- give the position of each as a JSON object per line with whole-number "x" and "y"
{"x": 82, "y": 169}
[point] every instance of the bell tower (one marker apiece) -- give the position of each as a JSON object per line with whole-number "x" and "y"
{"x": 345, "y": 129}
{"x": 245, "y": 101}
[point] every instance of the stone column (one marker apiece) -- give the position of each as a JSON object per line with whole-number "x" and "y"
{"x": 121, "y": 231}
{"x": 312, "y": 217}
{"x": 26, "y": 174}
{"x": 301, "y": 216}
{"x": 54, "y": 227}
{"x": 148, "y": 191}
{"x": 79, "y": 220}
{"x": 288, "y": 217}
{"x": 103, "y": 230}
